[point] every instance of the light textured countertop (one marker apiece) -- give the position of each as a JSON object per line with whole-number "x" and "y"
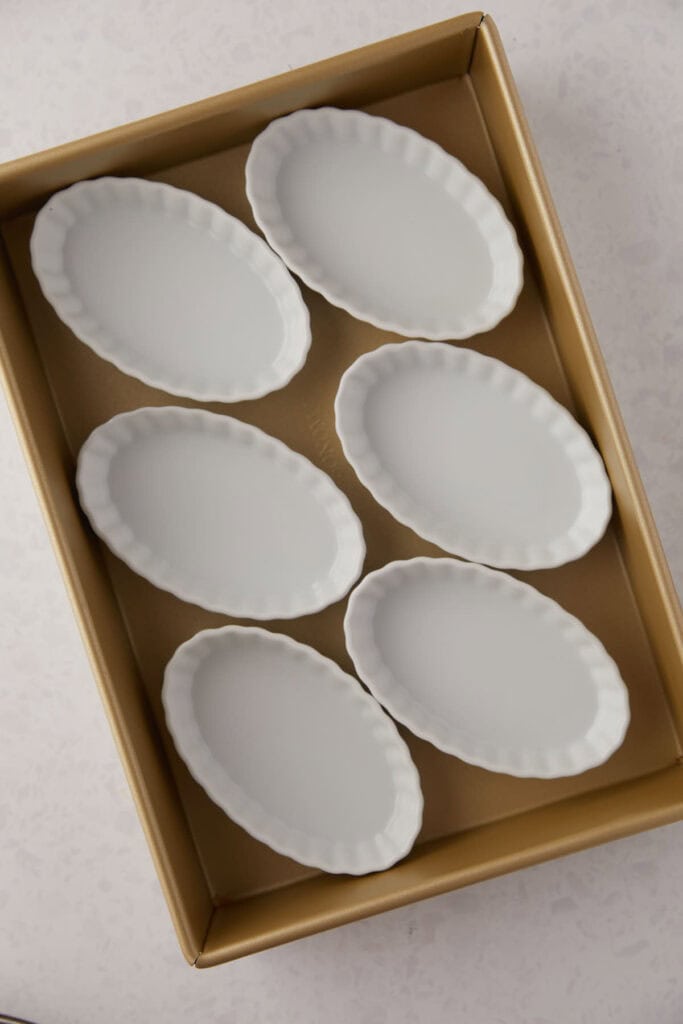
{"x": 85, "y": 936}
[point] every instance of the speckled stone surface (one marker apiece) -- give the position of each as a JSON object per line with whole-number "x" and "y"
{"x": 84, "y": 933}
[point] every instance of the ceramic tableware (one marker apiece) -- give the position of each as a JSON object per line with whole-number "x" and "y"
{"x": 170, "y": 288}
{"x": 486, "y": 668}
{"x": 219, "y": 513}
{"x": 293, "y": 749}
{"x": 472, "y": 455}
{"x": 384, "y": 223}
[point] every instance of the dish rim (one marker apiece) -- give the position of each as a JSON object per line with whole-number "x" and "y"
{"x": 390, "y": 844}
{"x": 105, "y": 440}
{"x": 596, "y": 494}
{"x": 603, "y": 737}
{"x": 265, "y": 155}
{"x": 46, "y": 244}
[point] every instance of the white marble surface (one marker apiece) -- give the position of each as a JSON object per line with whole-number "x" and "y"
{"x": 84, "y": 934}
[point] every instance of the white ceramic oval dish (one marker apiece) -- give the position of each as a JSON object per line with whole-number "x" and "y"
{"x": 472, "y": 455}
{"x": 293, "y": 749}
{"x": 486, "y": 668}
{"x": 384, "y": 223}
{"x": 170, "y": 288}
{"x": 219, "y": 513}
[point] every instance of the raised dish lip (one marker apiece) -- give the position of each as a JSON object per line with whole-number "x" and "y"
{"x": 596, "y": 495}
{"x": 61, "y": 211}
{"x": 376, "y": 853}
{"x": 458, "y": 182}
{"x": 605, "y": 734}
{"x": 93, "y": 489}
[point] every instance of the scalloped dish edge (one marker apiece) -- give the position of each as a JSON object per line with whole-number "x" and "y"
{"x": 596, "y": 504}
{"x": 48, "y": 237}
{"x": 93, "y": 489}
{"x": 409, "y": 146}
{"x": 602, "y": 739}
{"x": 378, "y": 852}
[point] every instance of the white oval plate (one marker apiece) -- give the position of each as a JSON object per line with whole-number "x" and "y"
{"x": 384, "y": 223}
{"x": 486, "y": 668}
{"x": 219, "y": 513}
{"x": 170, "y": 288}
{"x": 293, "y": 749}
{"x": 472, "y": 455}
